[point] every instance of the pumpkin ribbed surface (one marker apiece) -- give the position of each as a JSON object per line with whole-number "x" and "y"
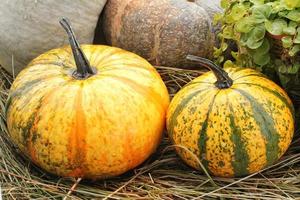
{"x": 234, "y": 131}
{"x": 162, "y": 31}
{"x": 94, "y": 128}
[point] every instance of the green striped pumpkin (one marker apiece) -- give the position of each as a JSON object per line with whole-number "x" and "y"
{"x": 234, "y": 121}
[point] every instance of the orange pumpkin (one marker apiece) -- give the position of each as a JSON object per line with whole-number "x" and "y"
{"x": 234, "y": 121}
{"x": 98, "y": 120}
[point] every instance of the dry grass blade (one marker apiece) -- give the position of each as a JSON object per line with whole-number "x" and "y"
{"x": 163, "y": 176}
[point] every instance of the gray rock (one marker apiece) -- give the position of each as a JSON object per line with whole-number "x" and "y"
{"x": 29, "y": 28}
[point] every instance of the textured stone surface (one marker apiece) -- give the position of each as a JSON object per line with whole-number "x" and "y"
{"x": 211, "y": 7}
{"x": 29, "y": 28}
{"x": 162, "y": 31}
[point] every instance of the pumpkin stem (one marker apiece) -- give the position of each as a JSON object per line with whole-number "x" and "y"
{"x": 84, "y": 69}
{"x": 223, "y": 80}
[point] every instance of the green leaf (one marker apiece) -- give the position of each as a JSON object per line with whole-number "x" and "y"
{"x": 247, "y": 4}
{"x": 293, "y": 24}
{"x": 282, "y": 69}
{"x": 224, "y": 46}
{"x": 287, "y": 41}
{"x": 292, "y": 3}
{"x": 255, "y": 37}
{"x": 297, "y": 38}
{"x": 217, "y": 52}
{"x": 289, "y": 30}
{"x": 293, "y": 69}
{"x": 294, "y": 15}
{"x": 284, "y": 79}
{"x": 217, "y": 18}
{"x": 243, "y": 39}
{"x": 264, "y": 48}
{"x": 235, "y": 55}
{"x": 261, "y": 12}
{"x": 276, "y": 27}
{"x": 228, "y": 32}
{"x": 245, "y": 25}
{"x": 221, "y": 59}
{"x": 225, "y": 3}
{"x": 228, "y": 64}
{"x": 259, "y": 17}
{"x": 258, "y": 32}
{"x": 261, "y": 59}
{"x": 257, "y": 2}
{"x": 252, "y": 44}
{"x": 278, "y": 6}
{"x": 283, "y": 13}
{"x": 251, "y": 51}
{"x": 294, "y": 50}
{"x": 261, "y": 55}
{"x": 237, "y": 13}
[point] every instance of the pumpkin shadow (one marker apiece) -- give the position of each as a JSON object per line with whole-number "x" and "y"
{"x": 99, "y": 37}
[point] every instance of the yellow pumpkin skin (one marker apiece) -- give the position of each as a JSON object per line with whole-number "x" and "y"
{"x": 94, "y": 128}
{"x": 234, "y": 131}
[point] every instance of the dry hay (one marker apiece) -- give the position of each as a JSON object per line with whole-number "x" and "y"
{"x": 163, "y": 176}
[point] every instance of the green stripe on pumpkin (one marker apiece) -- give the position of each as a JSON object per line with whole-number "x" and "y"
{"x": 241, "y": 157}
{"x": 275, "y": 93}
{"x": 26, "y": 87}
{"x": 249, "y": 75}
{"x": 19, "y": 93}
{"x": 51, "y": 62}
{"x": 180, "y": 108}
{"x": 203, "y": 136}
{"x": 197, "y": 82}
{"x": 25, "y": 131}
{"x": 267, "y": 126}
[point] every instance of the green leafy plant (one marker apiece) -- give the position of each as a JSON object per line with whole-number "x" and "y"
{"x": 267, "y": 36}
